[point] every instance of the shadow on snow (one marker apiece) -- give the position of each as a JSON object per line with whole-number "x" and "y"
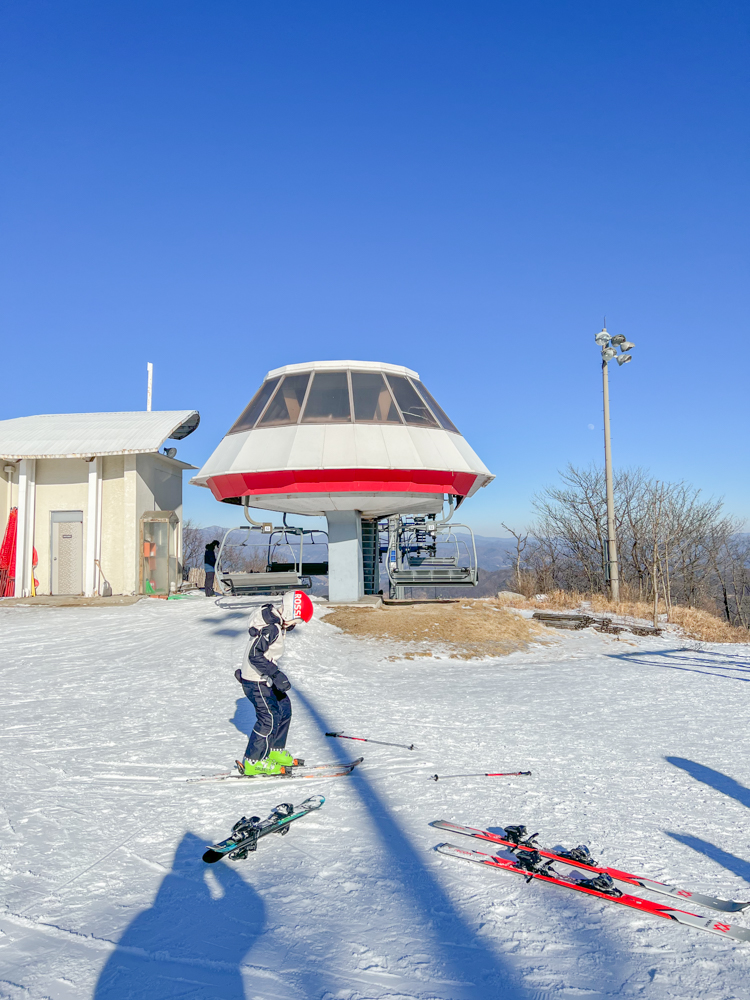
{"x": 726, "y": 665}
{"x": 462, "y": 953}
{"x": 244, "y": 716}
{"x": 727, "y": 786}
{"x": 188, "y": 944}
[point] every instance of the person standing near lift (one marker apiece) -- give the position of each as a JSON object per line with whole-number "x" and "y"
{"x": 209, "y": 565}
{"x": 266, "y": 686}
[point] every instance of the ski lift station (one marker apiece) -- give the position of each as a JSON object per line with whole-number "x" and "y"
{"x": 91, "y": 503}
{"x": 368, "y": 447}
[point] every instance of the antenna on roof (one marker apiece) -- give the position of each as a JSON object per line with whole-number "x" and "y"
{"x": 150, "y": 385}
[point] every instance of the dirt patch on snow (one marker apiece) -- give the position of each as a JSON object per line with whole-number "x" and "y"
{"x": 465, "y": 630}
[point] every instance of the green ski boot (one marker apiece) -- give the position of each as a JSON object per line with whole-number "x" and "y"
{"x": 261, "y": 767}
{"x": 283, "y": 757}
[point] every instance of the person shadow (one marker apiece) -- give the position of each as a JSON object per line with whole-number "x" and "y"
{"x": 244, "y": 716}
{"x": 192, "y": 940}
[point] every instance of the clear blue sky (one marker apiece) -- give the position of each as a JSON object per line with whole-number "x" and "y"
{"x": 466, "y": 188}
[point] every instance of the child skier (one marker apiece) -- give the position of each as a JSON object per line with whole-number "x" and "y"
{"x": 266, "y": 686}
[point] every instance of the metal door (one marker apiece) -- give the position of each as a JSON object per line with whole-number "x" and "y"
{"x": 67, "y": 552}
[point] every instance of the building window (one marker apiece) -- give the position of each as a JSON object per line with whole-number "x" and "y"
{"x": 286, "y": 404}
{"x": 328, "y": 401}
{"x": 254, "y": 408}
{"x": 410, "y": 403}
{"x": 329, "y": 397}
{"x": 372, "y": 399}
{"x": 436, "y": 408}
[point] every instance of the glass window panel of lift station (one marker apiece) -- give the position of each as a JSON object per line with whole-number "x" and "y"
{"x": 436, "y": 408}
{"x": 287, "y": 403}
{"x": 254, "y": 408}
{"x": 372, "y": 400}
{"x": 328, "y": 400}
{"x": 411, "y": 404}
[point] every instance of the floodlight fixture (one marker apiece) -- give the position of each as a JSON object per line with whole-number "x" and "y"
{"x": 602, "y": 338}
{"x": 619, "y": 338}
{"x": 625, "y": 345}
{"x": 608, "y": 353}
{"x": 624, "y": 358}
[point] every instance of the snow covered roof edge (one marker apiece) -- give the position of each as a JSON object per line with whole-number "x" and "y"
{"x": 86, "y": 435}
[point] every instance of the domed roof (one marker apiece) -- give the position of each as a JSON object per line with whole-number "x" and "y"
{"x": 343, "y": 435}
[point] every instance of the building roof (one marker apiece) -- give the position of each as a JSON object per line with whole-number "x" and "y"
{"x": 328, "y": 366}
{"x": 86, "y": 435}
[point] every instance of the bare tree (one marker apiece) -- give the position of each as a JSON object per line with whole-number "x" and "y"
{"x": 671, "y": 540}
{"x": 521, "y": 542}
{"x": 192, "y": 546}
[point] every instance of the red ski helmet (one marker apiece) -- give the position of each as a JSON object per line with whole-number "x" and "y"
{"x": 296, "y": 607}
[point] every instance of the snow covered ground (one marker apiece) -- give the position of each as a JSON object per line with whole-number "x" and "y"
{"x": 639, "y": 748}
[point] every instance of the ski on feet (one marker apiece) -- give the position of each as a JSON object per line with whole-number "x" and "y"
{"x": 333, "y": 770}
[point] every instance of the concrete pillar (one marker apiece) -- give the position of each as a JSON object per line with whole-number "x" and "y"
{"x": 345, "y": 577}
{"x": 26, "y": 517}
{"x": 131, "y": 527}
{"x": 93, "y": 528}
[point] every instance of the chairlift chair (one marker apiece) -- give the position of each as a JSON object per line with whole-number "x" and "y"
{"x": 279, "y": 576}
{"x": 413, "y": 559}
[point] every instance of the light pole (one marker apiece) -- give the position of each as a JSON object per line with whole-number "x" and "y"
{"x": 608, "y": 344}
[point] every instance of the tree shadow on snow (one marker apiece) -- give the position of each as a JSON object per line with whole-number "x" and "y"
{"x": 731, "y": 862}
{"x": 232, "y": 613}
{"x": 727, "y": 786}
{"x": 707, "y": 776}
{"x": 190, "y": 943}
{"x": 727, "y": 666}
{"x": 475, "y": 970}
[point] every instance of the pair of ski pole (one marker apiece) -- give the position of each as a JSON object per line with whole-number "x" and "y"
{"x": 435, "y": 777}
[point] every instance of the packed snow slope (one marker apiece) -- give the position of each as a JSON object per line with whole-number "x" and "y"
{"x": 638, "y": 747}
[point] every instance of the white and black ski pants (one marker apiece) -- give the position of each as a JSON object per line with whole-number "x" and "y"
{"x": 273, "y": 711}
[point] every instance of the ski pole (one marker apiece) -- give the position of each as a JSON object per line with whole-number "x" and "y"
{"x": 481, "y": 774}
{"x": 361, "y": 739}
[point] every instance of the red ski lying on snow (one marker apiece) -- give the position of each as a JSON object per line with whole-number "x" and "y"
{"x": 516, "y": 839}
{"x": 601, "y": 886}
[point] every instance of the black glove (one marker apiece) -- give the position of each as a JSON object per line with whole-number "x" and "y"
{"x": 238, "y": 674}
{"x": 280, "y": 681}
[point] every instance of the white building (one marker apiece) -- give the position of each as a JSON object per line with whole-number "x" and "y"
{"x": 98, "y": 503}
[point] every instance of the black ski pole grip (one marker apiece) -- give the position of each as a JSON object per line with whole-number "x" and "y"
{"x": 333, "y": 734}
